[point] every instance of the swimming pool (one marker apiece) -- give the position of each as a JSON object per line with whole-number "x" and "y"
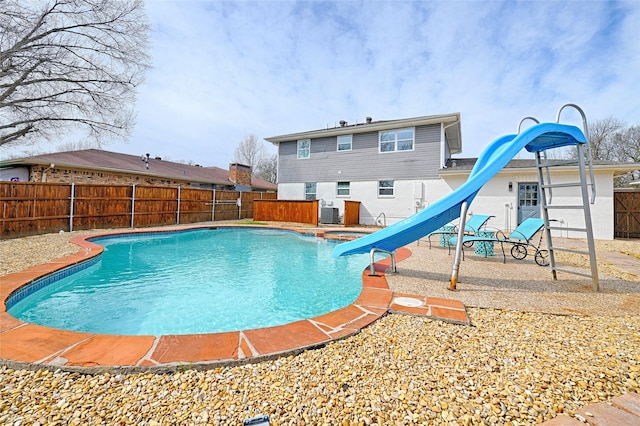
{"x": 197, "y": 281}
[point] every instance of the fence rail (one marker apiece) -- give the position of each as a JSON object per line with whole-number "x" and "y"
{"x": 30, "y": 208}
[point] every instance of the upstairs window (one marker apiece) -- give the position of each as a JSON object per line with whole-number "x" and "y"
{"x": 310, "y": 191}
{"x": 396, "y": 140}
{"x": 344, "y": 189}
{"x": 304, "y": 148}
{"x": 344, "y": 142}
{"x": 385, "y": 188}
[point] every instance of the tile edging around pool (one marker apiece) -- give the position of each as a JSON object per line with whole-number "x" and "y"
{"x": 372, "y": 303}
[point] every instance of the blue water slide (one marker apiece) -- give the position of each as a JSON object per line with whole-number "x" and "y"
{"x": 493, "y": 158}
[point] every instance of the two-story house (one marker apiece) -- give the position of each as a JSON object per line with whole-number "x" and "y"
{"x": 395, "y": 168}
{"x": 391, "y": 167}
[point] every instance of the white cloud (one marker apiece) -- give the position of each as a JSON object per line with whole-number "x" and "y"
{"x": 226, "y": 69}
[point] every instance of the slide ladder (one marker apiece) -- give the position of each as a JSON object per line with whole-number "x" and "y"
{"x": 584, "y": 161}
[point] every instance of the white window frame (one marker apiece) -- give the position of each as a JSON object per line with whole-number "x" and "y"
{"x": 396, "y": 140}
{"x": 346, "y": 139}
{"x": 307, "y": 186}
{"x": 345, "y": 186}
{"x": 304, "y": 152}
{"x": 386, "y": 188}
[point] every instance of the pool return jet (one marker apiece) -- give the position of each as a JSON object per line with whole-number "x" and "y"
{"x": 538, "y": 139}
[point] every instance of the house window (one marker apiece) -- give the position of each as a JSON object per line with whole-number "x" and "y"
{"x": 344, "y": 142}
{"x": 396, "y": 140}
{"x": 344, "y": 189}
{"x": 304, "y": 148}
{"x": 310, "y": 191}
{"x": 385, "y": 188}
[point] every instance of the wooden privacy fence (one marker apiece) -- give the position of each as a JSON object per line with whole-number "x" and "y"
{"x": 30, "y": 208}
{"x": 626, "y": 213}
{"x": 303, "y": 211}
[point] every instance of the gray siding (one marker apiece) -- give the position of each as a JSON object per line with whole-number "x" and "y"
{"x": 363, "y": 162}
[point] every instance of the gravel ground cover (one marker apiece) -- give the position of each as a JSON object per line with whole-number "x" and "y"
{"x": 519, "y": 363}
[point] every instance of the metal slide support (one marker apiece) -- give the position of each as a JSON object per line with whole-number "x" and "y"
{"x": 456, "y": 261}
{"x": 372, "y": 268}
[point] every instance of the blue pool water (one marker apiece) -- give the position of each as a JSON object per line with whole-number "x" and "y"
{"x": 198, "y": 281}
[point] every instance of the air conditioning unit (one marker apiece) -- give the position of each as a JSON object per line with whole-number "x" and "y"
{"x": 329, "y": 215}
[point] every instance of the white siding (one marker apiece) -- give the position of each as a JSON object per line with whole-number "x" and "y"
{"x": 493, "y": 199}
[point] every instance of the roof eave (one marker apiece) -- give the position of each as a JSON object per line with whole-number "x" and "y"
{"x": 370, "y": 127}
{"x": 27, "y": 162}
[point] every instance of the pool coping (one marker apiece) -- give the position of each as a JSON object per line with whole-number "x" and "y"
{"x": 25, "y": 345}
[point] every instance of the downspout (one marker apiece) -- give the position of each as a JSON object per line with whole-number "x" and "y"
{"x": 443, "y": 140}
{"x": 43, "y": 177}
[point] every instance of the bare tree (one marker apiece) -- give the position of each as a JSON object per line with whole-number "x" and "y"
{"x": 249, "y": 151}
{"x": 612, "y": 140}
{"x": 602, "y": 139}
{"x": 627, "y": 144}
{"x": 267, "y": 168}
{"x": 67, "y": 65}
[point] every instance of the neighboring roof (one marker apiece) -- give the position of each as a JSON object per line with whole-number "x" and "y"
{"x": 96, "y": 159}
{"x": 464, "y": 165}
{"x": 450, "y": 121}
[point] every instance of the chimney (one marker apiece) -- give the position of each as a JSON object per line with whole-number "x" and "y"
{"x": 240, "y": 174}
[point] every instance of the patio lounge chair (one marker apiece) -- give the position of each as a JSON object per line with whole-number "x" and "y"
{"x": 520, "y": 238}
{"x": 471, "y": 228}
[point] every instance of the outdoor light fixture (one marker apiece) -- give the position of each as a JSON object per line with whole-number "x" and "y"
{"x": 510, "y": 186}
{"x": 257, "y": 421}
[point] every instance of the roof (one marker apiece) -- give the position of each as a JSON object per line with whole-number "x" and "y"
{"x": 464, "y": 165}
{"x": 451, "y": 122}
{"x": 99, "y": 160}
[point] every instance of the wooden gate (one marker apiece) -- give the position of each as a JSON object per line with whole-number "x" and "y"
{"x": 626, "y": 213}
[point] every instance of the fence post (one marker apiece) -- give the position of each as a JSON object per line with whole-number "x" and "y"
{"x": 239, "y": 203}
{"x": 133, "y": 202}
{"x": 178, "y": 211}
{"x": 71, "y": 202}
{"x": 213, "y": 205}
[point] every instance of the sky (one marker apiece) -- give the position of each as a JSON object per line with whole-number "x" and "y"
{"x": 225, "y": 70}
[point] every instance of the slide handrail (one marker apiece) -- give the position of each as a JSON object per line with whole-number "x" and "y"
{"x": 527, "y": 118}
{"x": 585, "y": 130}
{"x": 535, "y": 120}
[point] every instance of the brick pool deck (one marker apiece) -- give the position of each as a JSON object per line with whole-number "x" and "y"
{"x": 621, "y": 411}
{"x": 29, "y": 345}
